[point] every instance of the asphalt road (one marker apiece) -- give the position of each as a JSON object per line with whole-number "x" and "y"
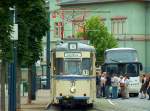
{"x": 132, "y": 104}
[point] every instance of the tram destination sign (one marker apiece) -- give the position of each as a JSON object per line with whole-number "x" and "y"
{"x": 72, "y": 55}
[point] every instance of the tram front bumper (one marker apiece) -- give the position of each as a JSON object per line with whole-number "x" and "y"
{"x": 71, "y": 100}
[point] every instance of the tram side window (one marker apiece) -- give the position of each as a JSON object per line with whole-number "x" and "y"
{"x": 86, "y": 66}
{"x": 59, "y": 66}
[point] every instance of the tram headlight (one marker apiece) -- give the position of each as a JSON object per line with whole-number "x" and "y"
{"x": 72, "y": 89}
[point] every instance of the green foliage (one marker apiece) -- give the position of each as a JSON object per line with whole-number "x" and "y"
{"x": 22, "y": 48}
{"x": 33, "y": 24}
{"x": 99, "y": 36}
{"x": 33, "y": 19}
{"x": 5, "y": 29}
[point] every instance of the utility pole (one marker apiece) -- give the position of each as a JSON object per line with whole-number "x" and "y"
{"x": 0, "y": 77}
{"x": 12, "y": 71}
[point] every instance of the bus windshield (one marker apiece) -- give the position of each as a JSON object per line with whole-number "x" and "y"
{"x": 130, "y": 69}
{"x": 121, "y": 56}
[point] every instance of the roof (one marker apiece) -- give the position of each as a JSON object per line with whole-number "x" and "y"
{"x": 81, "y": 2}
{"x": 115, "y": 49}
{"x": 80, "y": 47}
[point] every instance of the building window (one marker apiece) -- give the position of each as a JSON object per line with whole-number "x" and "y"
{"x": 78, "y": 23}
{"x": 118, "y": 25}
{"x": 59, "y": 29}
{"x": 103, "y": 20}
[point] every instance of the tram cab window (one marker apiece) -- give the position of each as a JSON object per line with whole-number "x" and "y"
{"x": 86, "y": 66}
{"x": 72, "y": 67}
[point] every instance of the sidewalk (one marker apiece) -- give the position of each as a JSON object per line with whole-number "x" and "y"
{"x": 42, "y": 100}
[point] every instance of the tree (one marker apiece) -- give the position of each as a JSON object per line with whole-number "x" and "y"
{"x": 5, "y": 45}
{"x": 36, "y": 20}
{"x": 22, "y": 46}
{"x": 99, "y": 37}
{"x": 32, "y": 25}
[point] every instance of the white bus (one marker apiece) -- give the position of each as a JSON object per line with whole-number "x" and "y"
{"x": 123, "y": 61}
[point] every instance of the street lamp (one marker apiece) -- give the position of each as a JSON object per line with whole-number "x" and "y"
{"x": 48, "y": 48}
{"x": 12, "y": 73}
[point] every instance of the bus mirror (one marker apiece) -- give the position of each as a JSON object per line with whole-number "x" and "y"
{"x": 49, "y": 65}
{"x": 141, "y": 67}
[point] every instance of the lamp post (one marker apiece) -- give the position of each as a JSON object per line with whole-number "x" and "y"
{"x": 0, "y": 78}
{"x": 48, "y": 48}
{"x": 12, "y": 72}
{"x": 33, "y": 92}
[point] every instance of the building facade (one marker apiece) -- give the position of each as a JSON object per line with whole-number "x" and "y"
{"x": 129, "y": 21}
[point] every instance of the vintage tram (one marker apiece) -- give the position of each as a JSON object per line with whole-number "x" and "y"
{"x": 73, "y": 74}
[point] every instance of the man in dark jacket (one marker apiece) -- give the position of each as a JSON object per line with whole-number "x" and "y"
{"x": 97, "y": 85}
{"x": 107, "y": 85}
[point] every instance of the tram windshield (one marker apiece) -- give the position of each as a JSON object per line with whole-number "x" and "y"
{"x": 73, "y": 66}
{"x": 78, "y": 66}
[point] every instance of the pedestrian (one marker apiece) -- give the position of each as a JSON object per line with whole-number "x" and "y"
{"x": 98, "y": 85}
{"x": 107, "y": 85}
{"x": 148, "y": 88}
{"x": 143, "y": 88}
{"x": 122, "y": 87}
{"x": 126, "y": 81}
{"x": 103, "y": 79}
{"x": 114, "y": 84}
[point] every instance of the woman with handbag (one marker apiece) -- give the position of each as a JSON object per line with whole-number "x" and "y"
{"x": 142, "y": 93}
{"x": 122, "y": 87}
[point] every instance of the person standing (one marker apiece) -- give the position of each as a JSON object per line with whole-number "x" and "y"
{"x": 122, "y": 87}
{"x": 107, "y": 85}
{"x": 148, "y": 88}
{"x": 103, "y": 79}
{"x": 143, "y": 88}
{"x": 114, "y": 84}
{"x": 97, "y": 85}
{"x": 126, "y": 81}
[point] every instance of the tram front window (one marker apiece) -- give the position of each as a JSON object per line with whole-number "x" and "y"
{"x": 78, "y": 67}
{"x": 73, "y": 67}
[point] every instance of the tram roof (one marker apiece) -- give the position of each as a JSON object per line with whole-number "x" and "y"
{"x": 80, "y": 47}
{"x": 115, "y": 49}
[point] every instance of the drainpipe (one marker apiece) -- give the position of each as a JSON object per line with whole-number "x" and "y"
{"x": 146, "y": 19}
